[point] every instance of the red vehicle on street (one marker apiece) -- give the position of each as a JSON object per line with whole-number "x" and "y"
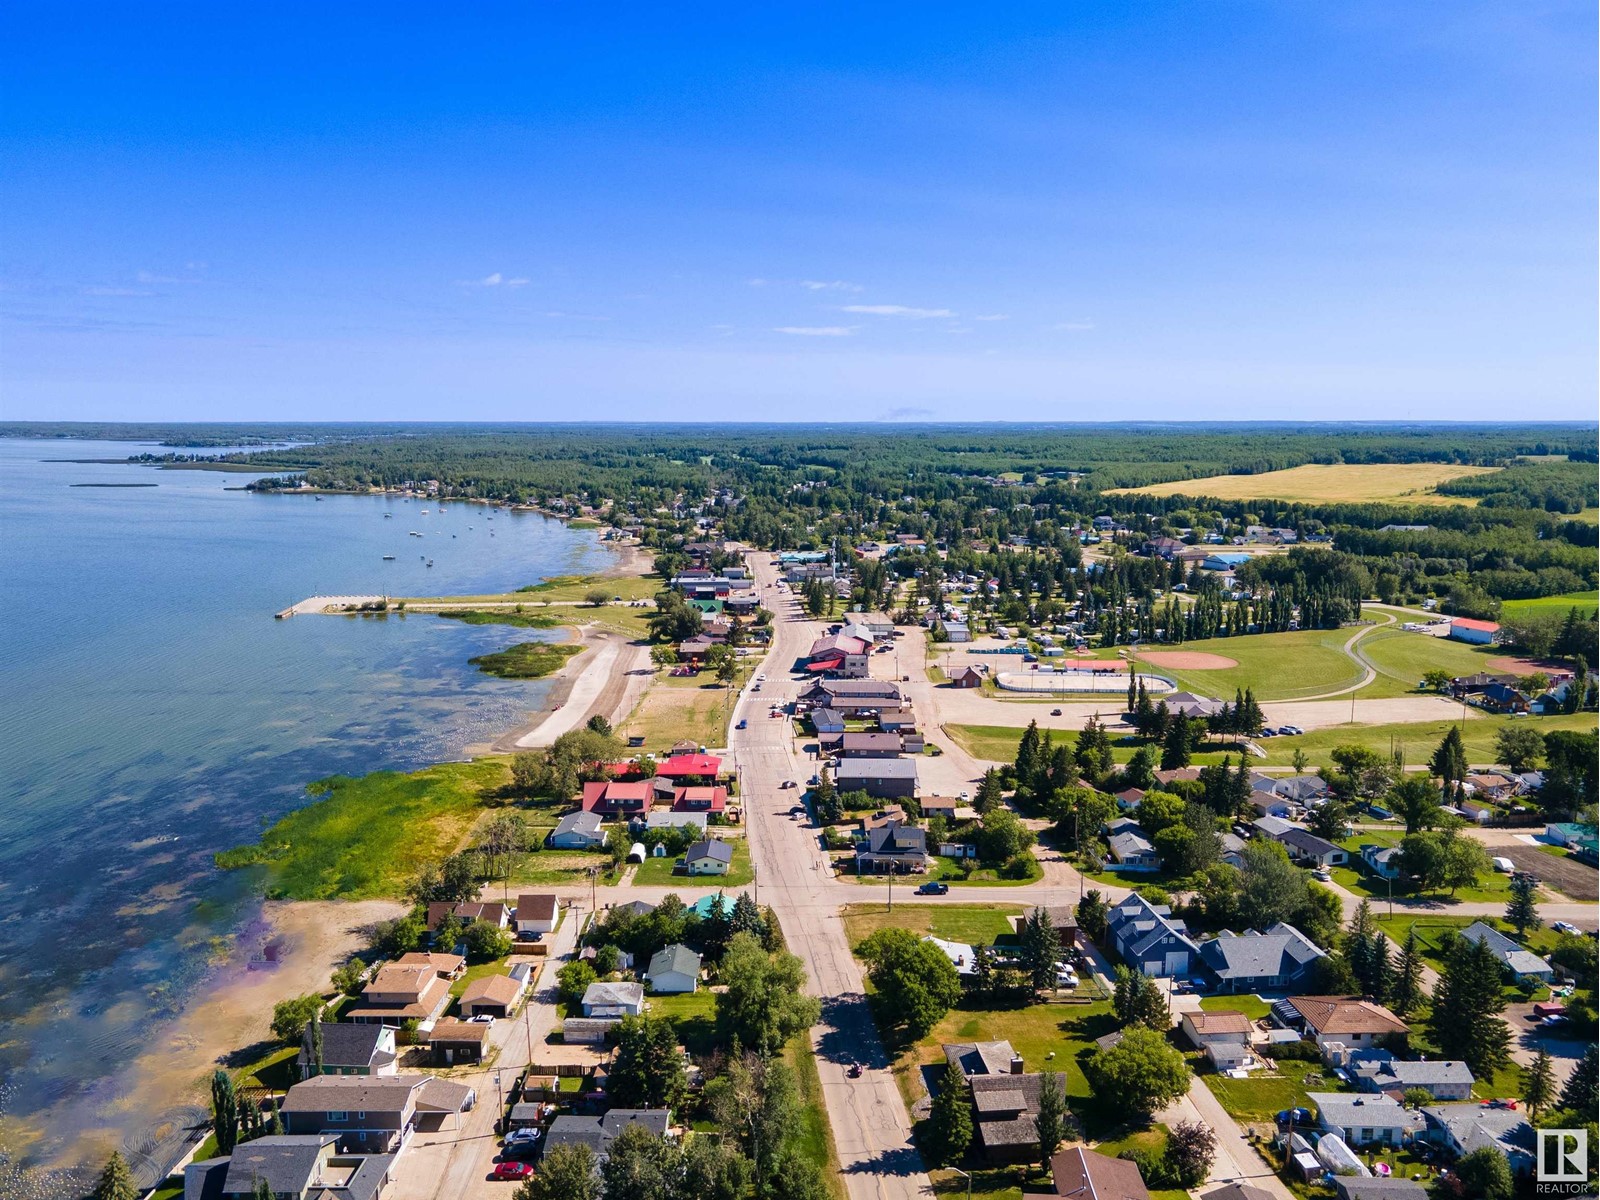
{"x": 513, "y": 1170}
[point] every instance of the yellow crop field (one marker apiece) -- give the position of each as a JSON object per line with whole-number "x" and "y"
{"x": 1399, "y": 483}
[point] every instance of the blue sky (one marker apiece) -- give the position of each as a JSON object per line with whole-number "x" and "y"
{"x": 546, "y": 211}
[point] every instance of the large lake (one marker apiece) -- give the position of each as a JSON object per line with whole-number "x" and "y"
{"x": 154, "y": 712}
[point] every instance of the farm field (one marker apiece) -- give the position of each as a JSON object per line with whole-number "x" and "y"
{"x": 1584, "y": 602}
{"x": 1400, "y": 483}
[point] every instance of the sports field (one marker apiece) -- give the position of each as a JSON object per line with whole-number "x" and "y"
{"x": 1400, "y": 483}
{"x": 1278, "y": 666}
{"x": 1402, "y": 658}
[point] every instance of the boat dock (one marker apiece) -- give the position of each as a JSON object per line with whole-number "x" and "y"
{"x": 327, "y": 604}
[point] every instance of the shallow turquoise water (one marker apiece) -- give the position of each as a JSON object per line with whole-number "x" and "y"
{"x": 153, "y": 712}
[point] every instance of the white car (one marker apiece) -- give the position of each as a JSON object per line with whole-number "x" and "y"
{"x": 966, "y": 796}
{"x": 1564, "y": 927}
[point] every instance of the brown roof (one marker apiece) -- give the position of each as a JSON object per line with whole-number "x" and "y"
{"x": 1218, "y": 1022}
{"x": 1007, "y": 1107}
{"x": 444, "y": 964}
{"x": 452, "y": 1030}
{"x": 1347, "y": 1014}
{"x": 472, "y": 910}
{"x": 1080, "y": 1171}
{"x": 493, "y": 989}
{"x": 536, "y": 906}
{"x": 402, "y": 978}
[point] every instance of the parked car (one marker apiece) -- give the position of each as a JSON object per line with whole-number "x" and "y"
{"x": 1295, "y": 1116}
{"x": 1055, "y": 712}
{"x": 1268, "y": 733}
{"x": 1564, "y": 927}
{"x": 1322, "y": 875}
{"x": 787, "y": 784}
{"x": 933, "y": 888}
{"x": 1290, "y": 730}
{"x": 512, "y": 1170}
{"x": 743, "y": 724}
{"x": 527, "y": 1134}
{"x": 1504, "y": 865}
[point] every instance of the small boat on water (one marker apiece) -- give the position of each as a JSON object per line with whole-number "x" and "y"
{"x": 414, "y": 533}
{"x": 388, "y": 516}
{"x": 388, "y": 558}
{"x": 430, "y": 562}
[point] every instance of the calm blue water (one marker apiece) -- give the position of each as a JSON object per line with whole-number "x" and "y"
{"x": 154, "y": 712}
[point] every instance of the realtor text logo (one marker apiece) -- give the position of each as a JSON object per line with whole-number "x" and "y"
{"x": 1563, "y": 1156}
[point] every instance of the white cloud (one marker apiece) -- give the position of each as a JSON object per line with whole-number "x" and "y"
{"x": 757, "y": 282}
{"x": 817, "y": 330}
{"x": 896, "y": 310}
{"x": 116, "y": 291}
{"x": 827, "y": 285}
{"x": 993, "y": 317}
{"x": 497, "y": 280}
{"x": 1076, "y": 326}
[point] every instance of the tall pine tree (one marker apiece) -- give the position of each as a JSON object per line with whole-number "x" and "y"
{"x": 1465, "y": 1022}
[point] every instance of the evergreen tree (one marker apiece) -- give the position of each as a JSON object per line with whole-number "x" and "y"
{"x": 114, "y": 1183}
{"x": 224, "y": 1111}
{"x": 950, "y": 1118}
{"x": 990, "y": 791}
{"x": 1027, "y": 760}
{"x": 1051, "y": 1119}
{"x": 1581, "y": 1094}
{"x": 1449, "y": 760}
{"x": 1538, "y": 1085}
{"x": 316, "y": 1041}
{"x": 263, "y": 1189}
{"x": 982, "y": 970}
{"x": 1522, "y": 914}
{"x": 1093, "y": 754}
{"x": 1465, "y": 1022}
{"x": 1093, "y": 915}
{"x": 1175, "y": 743}
{"x": 1041, "y": 946}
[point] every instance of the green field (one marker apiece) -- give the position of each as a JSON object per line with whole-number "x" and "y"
{"x": 1277, "y": 666}
{"x": 1584, "y": 602}
{"x": 1253, "y": 1007}
{"x": 1402, "y": 658}
{"x": 370, "y": 836}
{"x": 1415, "y": 740}
{"x": 970, "y": 923}
{"x": 1265, "y": 1094}
{"x": 998, "y": 743}
{"x": 657, "y": 872}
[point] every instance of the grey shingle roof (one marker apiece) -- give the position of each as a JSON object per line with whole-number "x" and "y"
{"x": 345, "y": 1045}
{"x": 1345, "y": 1110}
{"x": 1523, "y": 962}
{"x": 1281, "y": 951}
{"x": 677, "y": 958}
{"x": 713, "y": 850}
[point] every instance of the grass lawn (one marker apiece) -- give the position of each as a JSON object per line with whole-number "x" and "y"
{"x": 970, "y": 923}
{"x": 1267, "y": 1093}
{"x": 1584, "y": 602}
{"x": 1314, "y": 483}
{"x": 1403, "y": 658}
{"x": 478, "y": 971}
{"x": 658, "y": 872}
{"x": 1434, "y": 931}
{"x": 998, "y": 743}
{"x": 694, "y": 1015}
{"x": 685, "y": 709}
{"x": 815, "y": 1139}
{"x": 369, "y": 836}
{"x": 948, "y": 870}
{"x": 1253, "y": 1007}
{"x": 1415, "y": 740}
{"x": 1492, "y": 887}
{"x": 275, "y": 1069}
{"x": 556, "y": 867}
{"x": 1278, "y": 666}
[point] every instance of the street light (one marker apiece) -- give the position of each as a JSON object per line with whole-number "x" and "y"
{"x": 968, "y": 1178}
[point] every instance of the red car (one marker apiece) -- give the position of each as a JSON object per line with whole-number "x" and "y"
{"x": 513, "y": 1170}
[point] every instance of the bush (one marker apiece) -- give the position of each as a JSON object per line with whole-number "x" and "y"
{"x": 1301, "y": 1051}
{"x": 290, "y": 1017}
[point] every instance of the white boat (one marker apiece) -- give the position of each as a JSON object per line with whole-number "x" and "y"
{"x": 414, "y": 533}
{"x": 388, "y": 558}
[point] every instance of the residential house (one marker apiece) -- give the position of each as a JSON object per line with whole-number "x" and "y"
{"x": 1477, "y": 633}
{"x": 293, "y": 1167}
{"x": 349, "y": 1049}
{"x": 892, "y": 848}
{"x": 963, "y": 957}
{"x": 698, "y": 766}
{"x": 1521, "y": 963}
{"x": 1231, "y": 850}
{"x": 1382, "y": 861}
{"x": 1372, "y": 1187}
{"x": 617, "y": 798}
{"x": 467, "y": 912}
{"x": 983, "y": 1058}
{"x": 538, "y": 912}
{"x": 711, "y": 801}
{"x": 1463, "y": 1128}
{"x": 577, "y": 831}
{"x": 1079, "y": 1171}
{"x": 1272, "y": 827}
{"x": 1129, "y": 799}
{"x": 902, "y": 720}
{"x": 1307, "y": 848}
{"x": 1282, "y": 958}
{"x": 1478, "y": 811}
{"x": 613, "y": 1000}
{"x": 1005, "y": 1116}
{"x": 1269, "y": 804}
{"x": 697, "y": 821}
{"x": 888, "y": 814}
{"x": 1149, "y": 939}
{"x": 491, "y": 996}
{"x": 598, "y": 1133}
{"x": 1364, "y": 1119}
{"x": 1224, "y": 1036}
{"x": 709, "y": 857}
{"x": 402, "y": 992}
{"x": 1348, "y": 1022}
{"x": 939, "y": 806}
{"x": 870, "y": 745}
{"x": 1492, "y": 785}
{"x": 1377, "y": 1070}
{"x": 372, "y": 1114}
{"x": 1223, "y": 562}
{"x": 454, "y": 1042}
{"x": 881, "y": 778}
{"x": 1239, "y": 1191}
{"x": 1130, "y": 849}
{"x": 674, "y": 970}
{"x": 1301, "y": 790}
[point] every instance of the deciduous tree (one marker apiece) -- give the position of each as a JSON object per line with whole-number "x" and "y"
{"x": 763, "y": 1003}
{"x": 915, "y": 982}
{"x": 1140, "y": 1074}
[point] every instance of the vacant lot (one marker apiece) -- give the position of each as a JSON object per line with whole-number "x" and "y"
{"x": 970, "y": 923}
{"x": 1401, "y": 483}
{"x": 685, "y": 709}
{"x": 1414, "y": 741}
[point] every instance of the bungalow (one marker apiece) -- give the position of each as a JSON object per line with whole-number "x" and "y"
{"x": 983, "y": 1058}
{"x": 1516, "y": 961}
{"x": 1306, "y": 847}
{"x": 1364, "y": 1120}
{"x": 1224, "y": 1036}
{"x": 827, "y": 720}
{"x": 939, "y": 806}
{"x": 1148, "y": 939}
{"x": 1280, "y": 958}
{"x": 892, "y": 848}
{"x": 676, "y": 820}
{"x": 1379, "y": 1071}
{"x": 598, "y": 1133}
{"x": 1492, "y": 785}
{"x": 1132, "y": 851}
{"x": 1006, "y": 1111}
{"x": 1463, "y": 1128}
{"x": 870, "y": 745}
{"x": 538, "y": 912}
{"x": 372, "y": 1114}
{"x": 881, "y": 778}
{"x": 577, "y": 831}
{"x": 1478, "y": 811}
{"x": 1344, "y": 1021}
{"x": 700, "y": 766}
{"x": 1078, "y": 1171}
{"x": 613, "y": 1000}
{"x": 1478, "y": 633}
{"x": 673, "y": 970}
{"x": 1273, "y": 827}
{"x": 467, "y": 912}
{"x": 402, "y": 992}
{"x": 1303, "y": 790}
{"x": 1269, "y": 804}
{"x": 889, "y": 814}
{"x": 1129, "y": 799}
{"x": 712, "y": 801}
{"x": 614, "y": 798}
{"x": 1231, "y": 847}
{"x": 1370, "y": 1187}
{"x": 708, "y": 857}
{"x": 967, "y": 677}
{"x": 1382, "y": 861}
{"x": 454, "y": 1042}
{"x": 491, "y": 996}
{"x": 293, "y": 1167}
{"x": 349, "y": 1049}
